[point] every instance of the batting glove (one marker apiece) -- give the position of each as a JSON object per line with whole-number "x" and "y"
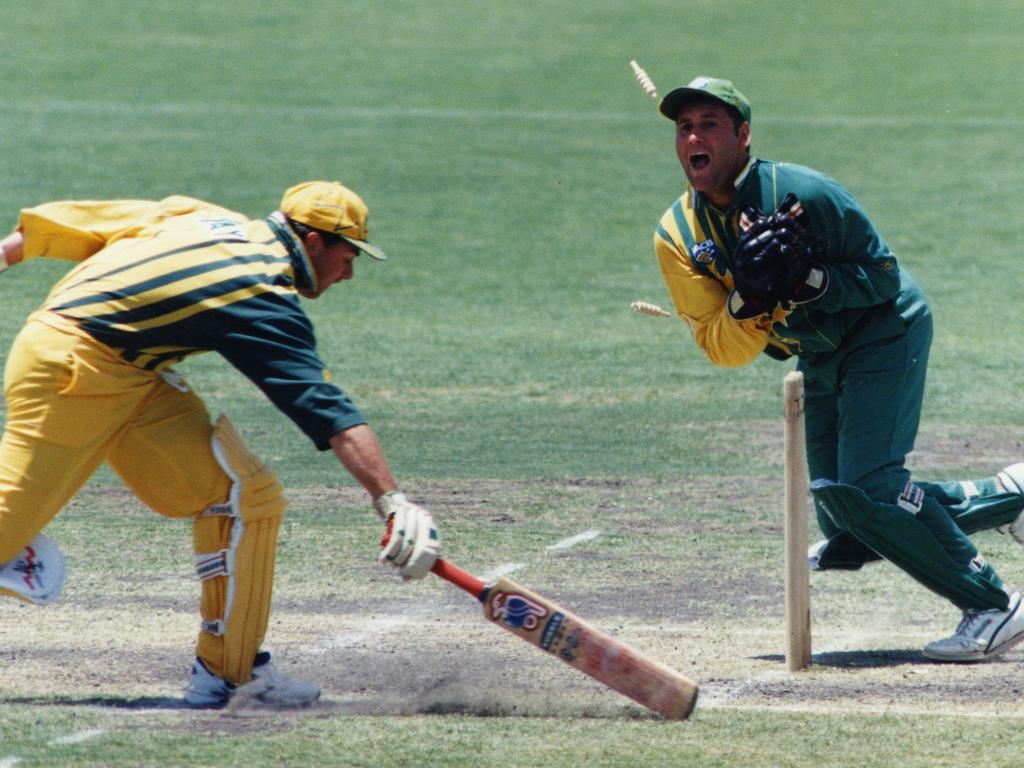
{"x": 411, "y": 543}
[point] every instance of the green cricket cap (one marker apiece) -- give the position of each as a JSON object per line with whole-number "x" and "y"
{"x": 719, "y": 90}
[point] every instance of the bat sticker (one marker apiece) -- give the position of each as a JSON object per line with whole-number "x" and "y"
{"x": 551, "y": 630}
{"x": 517, "y": 611}
{"x": 571, "y": 650}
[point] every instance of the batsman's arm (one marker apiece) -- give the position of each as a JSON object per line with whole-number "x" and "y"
{"x": 411, "y": 542}
{"x": 12, "y": 249}
{"x": 360, "y": 453}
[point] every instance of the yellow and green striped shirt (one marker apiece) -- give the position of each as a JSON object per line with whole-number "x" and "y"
{"x": 159, "y": 281}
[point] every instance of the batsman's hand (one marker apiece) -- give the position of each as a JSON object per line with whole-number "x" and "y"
{"x": 411, "y": 542}
{"x": 11, "y": 249}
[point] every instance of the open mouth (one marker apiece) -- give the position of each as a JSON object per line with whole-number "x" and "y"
{"x": 699, "y": 161}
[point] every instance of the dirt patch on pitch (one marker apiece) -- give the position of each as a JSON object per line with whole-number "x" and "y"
{"x": 687, "y": 570}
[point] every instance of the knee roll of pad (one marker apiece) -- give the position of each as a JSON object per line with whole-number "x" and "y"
{"x": 255, "y": 491}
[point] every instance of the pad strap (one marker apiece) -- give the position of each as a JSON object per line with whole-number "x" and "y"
{"x": 213, "y": 564}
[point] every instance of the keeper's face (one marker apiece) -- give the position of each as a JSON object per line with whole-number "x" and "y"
{"x": 712, "y": 151}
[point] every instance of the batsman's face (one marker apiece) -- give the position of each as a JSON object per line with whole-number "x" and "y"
{"x": 710, "y": 149}
{"x": 332, "y": 264}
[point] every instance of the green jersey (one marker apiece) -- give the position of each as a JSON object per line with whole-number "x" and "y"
{"x": 694, "y": 243}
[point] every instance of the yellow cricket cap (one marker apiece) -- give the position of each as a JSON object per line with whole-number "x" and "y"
{"x": 330, "y": 207}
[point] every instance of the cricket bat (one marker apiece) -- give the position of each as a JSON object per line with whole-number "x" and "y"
{"x": 564, "y": 635}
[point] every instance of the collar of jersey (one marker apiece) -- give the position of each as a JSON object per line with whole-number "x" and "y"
{"x": 305, "y": 277}
{"x": 699, "y": 201}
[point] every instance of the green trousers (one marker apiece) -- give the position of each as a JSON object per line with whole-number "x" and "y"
{"x": 863, "y": 408}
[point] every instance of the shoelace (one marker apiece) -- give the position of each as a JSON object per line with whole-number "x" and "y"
{"x": 967, "y": 623}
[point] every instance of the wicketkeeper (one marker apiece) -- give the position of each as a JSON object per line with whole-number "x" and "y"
{"x": 768, "y": 257}
{"x": 90, "y": 379}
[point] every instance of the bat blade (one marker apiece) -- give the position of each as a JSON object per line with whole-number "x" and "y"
{"x": 563, "y": 634}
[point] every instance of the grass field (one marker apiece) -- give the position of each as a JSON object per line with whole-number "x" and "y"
{"x": 515, "y": 172}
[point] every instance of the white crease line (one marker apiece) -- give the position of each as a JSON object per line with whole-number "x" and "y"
{"x": 371, "y": 631}
{"x": 505, "y": 569}
{"x": 77, "y": 738}
{"x": 376, "y": 627}
{"x": 830, "y": 709}
{"x": 572, "y": 541}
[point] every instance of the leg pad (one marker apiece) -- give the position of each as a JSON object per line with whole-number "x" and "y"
{"x": 235, "y": 544}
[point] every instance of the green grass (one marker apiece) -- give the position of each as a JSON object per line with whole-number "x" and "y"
{"x": 717, "y": 741}
{"x": 515, "y": 172}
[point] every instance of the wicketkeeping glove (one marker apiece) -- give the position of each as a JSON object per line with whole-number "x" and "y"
{"x": 411, "y": 542}
{"x": 773, "y": 263}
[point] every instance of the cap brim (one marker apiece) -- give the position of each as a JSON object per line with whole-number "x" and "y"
{"x": 365, "y": 247}
{"x": 672, "y": 101}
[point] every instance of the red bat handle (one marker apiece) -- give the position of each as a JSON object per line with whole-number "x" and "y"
{"x": 460, "y": 578}
{"x": 450, "y": 573}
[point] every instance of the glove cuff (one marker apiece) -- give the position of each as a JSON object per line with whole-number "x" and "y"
{"x": 740, "y": 309}
{"x": 386, "y": 504}
{"x": 813, "y": 287}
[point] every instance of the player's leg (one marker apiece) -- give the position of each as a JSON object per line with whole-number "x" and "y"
{"x": 182, "y": 466}
{"x": 840, "y": 550}
{"x": 907, "y": 541}
{"x": 880, "y": 408}
{"x": 66, "y": 400}
{"x": 985, "y": 503}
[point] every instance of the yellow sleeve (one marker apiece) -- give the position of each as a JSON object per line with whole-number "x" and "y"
{"x": 701, "y": 301}
{"x": 77, "y": 229}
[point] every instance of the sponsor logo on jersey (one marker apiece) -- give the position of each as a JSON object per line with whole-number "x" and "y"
{"x": 224, "y": 229}
{"x": 704, "y": 252}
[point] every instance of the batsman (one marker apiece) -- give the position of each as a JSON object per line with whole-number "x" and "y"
{"x": 90, "y": 378}
{"x": 764, "y": 257}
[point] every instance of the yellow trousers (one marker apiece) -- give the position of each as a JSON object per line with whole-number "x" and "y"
{"x": 72, "y": 403}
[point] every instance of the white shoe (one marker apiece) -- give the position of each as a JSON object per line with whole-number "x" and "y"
{"x": 207, "y": 691}
{"x": 981, "y": 634}
{"x": 814, "y": 555}
{"x": 1012, "y": 479}
{"x": 36, "y": 574}
{"x": 271, "y": 686}
{"x": 847, "y": 554}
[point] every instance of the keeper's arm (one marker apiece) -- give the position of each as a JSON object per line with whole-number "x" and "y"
{"x": 702, "y": 301}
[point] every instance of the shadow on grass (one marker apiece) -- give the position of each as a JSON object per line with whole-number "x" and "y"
{"x": 107, "y": 702}
{"x": 238, "y": 708}
{"x": 859, "y": 659}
